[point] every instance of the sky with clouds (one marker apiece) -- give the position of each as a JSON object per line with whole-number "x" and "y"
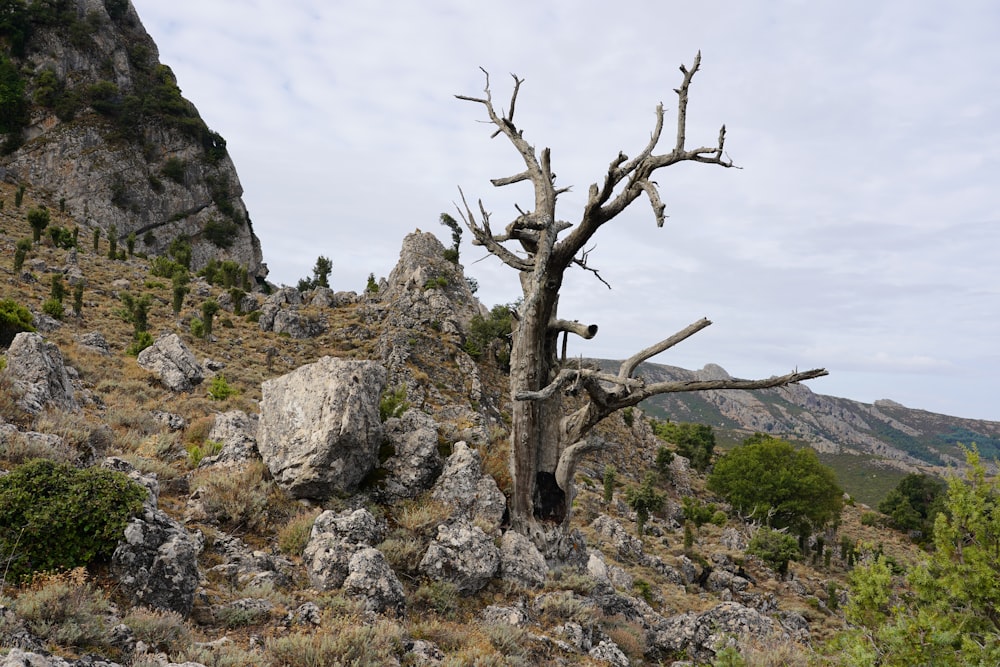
{"x": 861, "y": 233}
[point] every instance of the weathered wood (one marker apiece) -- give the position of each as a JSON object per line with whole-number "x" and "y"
{"x": 547, "y": 441}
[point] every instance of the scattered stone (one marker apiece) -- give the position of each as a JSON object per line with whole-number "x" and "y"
{"x": 370, "y": 578}
{"x": 171, "y": 360}
{"x": 171, "y": 421}
{"x": 334, "y": 540}
{"x": 94, "y": 342}
{"x": 237, "y": 431}
{"x": 320, "y": 431}
{"x": 627, "y": 546}
{"x": 495, "y": 615}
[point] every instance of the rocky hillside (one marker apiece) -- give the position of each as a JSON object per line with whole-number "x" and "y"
{"x": 900, "y": 436}
{"x": 97, "y": 128}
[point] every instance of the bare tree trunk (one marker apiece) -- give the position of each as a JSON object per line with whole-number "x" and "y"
{"x": 547, "y": 442}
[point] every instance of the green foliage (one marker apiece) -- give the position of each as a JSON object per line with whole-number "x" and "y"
{"x": 393, "y": 403}
{"x": 222, "y": 233}
{"x": 197, "y": 328}
{"x": 164, "y": 267}
{"x": 774, "y": 548}
{"x": 451, "y": 254}
{"x": 140, "y": 341}
{"x": 78, "y": 298}
{"x": 38, "y": 218}
{"x": 53, "y": 308}
{"x": 664, "y": 458}
{"x": 437, "y": 282}
{"x": 130, "y": 244}
{"x": 54, "y": 516}
{"x": 698, "y": 512}
{"x": 19, "y": 196}
{"x": 62, "y": 237}
{"x": 220, "y": 389}
{"x": 14, "y": 318}
{"x": 97, "y": 239}
{"x": 136, "y": 311}
{"x": 113, "y": 242}
{"x": 372, "y": 286}
{"x": 609, "y": 482}
{"x": 209, "y": 308}
{"x": 13, "y": 105}
{"x": 20, "y": 252}
{"x": 57, "y": 290}
{"x": 695, "y": 442}
{"x": 643, "y": 500}
{"x": 769, "y": 479}
{"x": 949, "y": 616}
{"x": 321, "y": 275}
{"x": 196, "y": 452}
{"x": 180, "y": 250}
{"x": 174, "y": 169}
{"x": 914, "y": 503}
{"x": 484, "y": 330}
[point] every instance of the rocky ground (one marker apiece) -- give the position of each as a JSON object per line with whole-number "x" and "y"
{"x": 326, "y": 477}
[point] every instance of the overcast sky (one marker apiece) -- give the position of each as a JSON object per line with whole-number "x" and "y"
{"x": 862, "y": 233}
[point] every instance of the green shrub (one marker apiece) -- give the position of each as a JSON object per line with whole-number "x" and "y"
{"x": 38, "y": 218}
{"x": 438, "y": 282}
{"x": 484, "y": 330}
{"x": 695, "y": 442}
{"x": 64, "y": 609}
{"x": 197, "y": 452}
{"x": 197, "y": 328}
{"x": 208, "y": 310}
{"x": 222, "y": 233}
{"x": 294, "y": 536}
{"x": 140, "y": 342}
{"x": 393, "y": 403}
{"x": 774, "y": 548}
{"x": 14, "y": 318}
{"x": 173, "y": 169}
{"x": 56, "y": 517}
{"x": 77, "y": 298}
{"x": 163, "y": 631}
{"x": 20, "y": 252}
{"x": 220, "y": 389}
{"x": 644, "y": 499}
{"x": 372, "y": 286}
{"x": 609, "y": 482}
{"x": 53, "y": 308}
{"x": 61, "y": 237}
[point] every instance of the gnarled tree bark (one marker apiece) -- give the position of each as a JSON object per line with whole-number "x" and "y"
{"x": 548, "y": 440}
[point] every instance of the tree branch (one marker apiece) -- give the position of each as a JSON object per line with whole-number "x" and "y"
{"x": 586, "y": 331}
{"x": 629, "y": 365}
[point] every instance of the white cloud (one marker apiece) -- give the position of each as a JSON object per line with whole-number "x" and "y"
{"x": 861, "y": 235}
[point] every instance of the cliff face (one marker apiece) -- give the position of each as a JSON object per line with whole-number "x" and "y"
{"x": 104, "y": 133}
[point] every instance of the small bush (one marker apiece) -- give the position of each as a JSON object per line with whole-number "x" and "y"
{"x": 393, "y": 403}
{"x": 294, "y": 536}
{"x": 236, "y": 500}
{"x": 198, "y": 452}
{"x": 220, "y": 389}
{"x": 38, "y": 218}
{"x": 349, "y": 643}
{"x": 53, "y": 308}
{"x": 222, "y": 233}
{"x": 14, "y": 318}
{"x": 163, "y": 631}
{"x": 441, "y": 597}
{"x": 774, "y": 548}
{"x": 140, "y": 342}
{"x": 61, "y": 237}
{"x": 64, "y": 609}
{"x": 173, "y": 169}
{"x": 58, "y": 517}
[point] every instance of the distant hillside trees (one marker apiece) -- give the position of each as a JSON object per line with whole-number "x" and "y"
{"x": 914, "y": 504}
{"x": 770, "y": 480}
{"x": 321, "y": 275}
{"x": 695, "y": 442}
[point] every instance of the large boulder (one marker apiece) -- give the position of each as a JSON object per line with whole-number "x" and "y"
{"x": 171, "y": 360}
{"x": 39, "y": 374}
{"x": 334, "y": 540}
{"x": 157, "y": 563}
{"x": 320, "y": 431}
{"x": 370, "y": 578}
{"x": 471, "y": 493}
{"x": 463, "y": 555}
{"x": 521, "y": 562}
{"x": 415, "y": 462}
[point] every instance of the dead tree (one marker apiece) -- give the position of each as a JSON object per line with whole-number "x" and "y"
{"x": 547, "y": 438}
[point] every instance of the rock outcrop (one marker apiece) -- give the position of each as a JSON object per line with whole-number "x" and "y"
{"x": 39, "y": 374}
{"x": 320, "y": 431}
{"x": 171, "y": 360}
{"x": 108, "y": 135}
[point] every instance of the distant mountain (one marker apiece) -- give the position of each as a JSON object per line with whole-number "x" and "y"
{"x": 895, "y": 435}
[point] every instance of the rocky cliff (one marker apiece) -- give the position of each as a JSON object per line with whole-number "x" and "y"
{"x": 94, "y": 124}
